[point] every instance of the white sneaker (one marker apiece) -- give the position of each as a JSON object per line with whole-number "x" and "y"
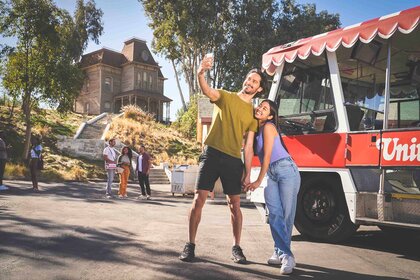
{"x": 287, "y": 265}
{"x": 148, "y": 197}
{"x": 141, "y": 197}
{"x": 276, "y": 258}
{"x": 3, "y": 188}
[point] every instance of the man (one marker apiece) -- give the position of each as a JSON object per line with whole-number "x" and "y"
{"x": 110, "y": 158}
{"x": 3, "y": 159}
{"x": 232, "y": 119}
{"x": 143, "y": 170}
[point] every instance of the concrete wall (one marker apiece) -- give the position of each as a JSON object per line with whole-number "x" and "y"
{"x": 87, "y": 148}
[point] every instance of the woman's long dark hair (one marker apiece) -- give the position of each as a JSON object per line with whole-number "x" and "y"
{"x": 274, "y": 110}
{"x": 129, "y": 153}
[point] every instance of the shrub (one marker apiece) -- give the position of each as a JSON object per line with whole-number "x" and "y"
{"x": 186, "y": 122}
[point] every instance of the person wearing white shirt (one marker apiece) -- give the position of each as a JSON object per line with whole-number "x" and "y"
{"x": 110, "y": 157}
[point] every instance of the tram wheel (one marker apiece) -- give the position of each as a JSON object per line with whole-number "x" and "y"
{"x": 321, "y": 212}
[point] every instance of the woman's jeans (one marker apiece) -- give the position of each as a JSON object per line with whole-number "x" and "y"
{"x": 281, "y": 197}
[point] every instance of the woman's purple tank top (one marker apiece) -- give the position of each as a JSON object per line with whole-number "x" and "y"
{"x": 278, "y": 151}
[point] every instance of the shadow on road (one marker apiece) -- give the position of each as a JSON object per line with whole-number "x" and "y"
{"x": 407, "y": 246}
{"x": 305, "y": 271}
{"x": 93, "y": 192}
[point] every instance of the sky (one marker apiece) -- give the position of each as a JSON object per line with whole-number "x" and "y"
{"x": 124, "y": 19}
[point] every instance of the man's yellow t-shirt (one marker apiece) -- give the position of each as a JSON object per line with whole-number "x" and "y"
{"x": 232, "y": 118}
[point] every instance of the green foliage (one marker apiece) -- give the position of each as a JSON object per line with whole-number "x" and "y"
{"x": 186, "y": 122}
{"x": 178, "y": 148}
{"x": 43, "y": 64}
{"x": 238, "y": 33}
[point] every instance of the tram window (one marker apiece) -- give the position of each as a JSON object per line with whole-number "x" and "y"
{"x": 363, "y": 83}
{"x": 305, "y": 97}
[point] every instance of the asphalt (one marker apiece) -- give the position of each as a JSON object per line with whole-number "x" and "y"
{"x": 69, "y": 230}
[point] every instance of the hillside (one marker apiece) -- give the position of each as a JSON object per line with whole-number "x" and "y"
{"x": 134, "y": 128}
{"x": 165, "y": 144}
{"x": 48, "y": 125}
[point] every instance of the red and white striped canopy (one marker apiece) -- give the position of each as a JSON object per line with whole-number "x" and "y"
{"x": 405, "y": 21}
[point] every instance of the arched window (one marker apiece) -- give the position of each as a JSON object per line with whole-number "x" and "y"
{"x": 87, "y": 107}
{"x": 108, "y": 84}
{"x": 107, "y": 106}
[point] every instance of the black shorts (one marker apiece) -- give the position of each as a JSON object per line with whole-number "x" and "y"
{"x": 215, "y": 164}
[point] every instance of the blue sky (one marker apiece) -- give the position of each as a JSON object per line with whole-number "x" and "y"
{"x": 124, "y": 19}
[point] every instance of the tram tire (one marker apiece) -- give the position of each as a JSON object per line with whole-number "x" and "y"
{"x": 329, "y": 222}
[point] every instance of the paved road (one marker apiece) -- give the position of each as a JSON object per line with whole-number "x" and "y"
{"x": 70, "y": 231}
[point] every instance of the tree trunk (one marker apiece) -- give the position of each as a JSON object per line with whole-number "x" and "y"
{"x": 26, "y": 107}
{"x": 179, "y": 86}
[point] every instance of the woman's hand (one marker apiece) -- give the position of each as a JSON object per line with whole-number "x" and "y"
{"x": 252, "y": 186}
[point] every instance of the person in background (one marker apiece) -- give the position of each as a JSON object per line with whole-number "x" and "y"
{"x": 3, "y": 159}
{"x": 124, "y": 161}
{"x": 232, "y": 119}
{"x": 110, "y": 158}
{"x": 35, "y": 155}
{"x": 143, "y": 170}
{"x": 282, "y": 185}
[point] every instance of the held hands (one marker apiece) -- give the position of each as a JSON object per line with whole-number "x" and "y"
{"x": 247, "y": 185}
{"x": 252, "y": 186}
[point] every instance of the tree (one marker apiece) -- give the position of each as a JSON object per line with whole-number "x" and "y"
{"x": 43, "y": 66}
{"x": 185, "y": 30}
{"x": 239, "y": 32}
{"x": 186, "y": 122}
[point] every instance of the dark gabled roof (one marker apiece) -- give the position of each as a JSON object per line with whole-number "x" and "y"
{"x": 105, "y": 56}
{"x": 137, "y": 52}
{"x": 139, "y": 46}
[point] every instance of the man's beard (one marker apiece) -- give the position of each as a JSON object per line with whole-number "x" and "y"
{"x": 244, "y": 89}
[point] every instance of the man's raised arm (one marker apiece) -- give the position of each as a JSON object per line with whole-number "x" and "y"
{"x": 205, "y": 65}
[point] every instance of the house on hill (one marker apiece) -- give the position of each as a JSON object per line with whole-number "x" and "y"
{"x": 116, "y": 79}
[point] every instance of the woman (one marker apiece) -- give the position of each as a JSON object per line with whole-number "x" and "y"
{"x": 124, "y": 161}
{"x": 35, "y": 155}
{"x": 282, "y": 185}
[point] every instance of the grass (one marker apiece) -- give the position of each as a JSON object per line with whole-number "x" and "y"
{"x": 165, "y": 144}
{"x": 134, "y": 128}
{"x": 49, "y": 125}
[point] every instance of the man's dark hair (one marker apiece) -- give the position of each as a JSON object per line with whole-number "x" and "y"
{"x": 263, "y": 82}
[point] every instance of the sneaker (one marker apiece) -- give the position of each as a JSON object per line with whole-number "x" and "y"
{"x": 276, "y": 258}
{"x": 287, "y": 265}
{"x": 187, "y": 254}
{"x": 148, "y": 197}
{"x": 141, "y": 197}
{"x": 238, "y": 255}
{"x": 121, "y": 196}
{"x": 108, "y": 195}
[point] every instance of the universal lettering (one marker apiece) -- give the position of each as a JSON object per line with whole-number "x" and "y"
{"x": 394, "y": 150}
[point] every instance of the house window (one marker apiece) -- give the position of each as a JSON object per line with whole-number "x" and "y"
{"x": 150, "y": 82}
{"x": 86, "y": 85}
{"x": 138, "y": 82}
{"x": 107, "y": 106}
{"x": 145, "y": 85}
{"x": 108, "y": 84}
